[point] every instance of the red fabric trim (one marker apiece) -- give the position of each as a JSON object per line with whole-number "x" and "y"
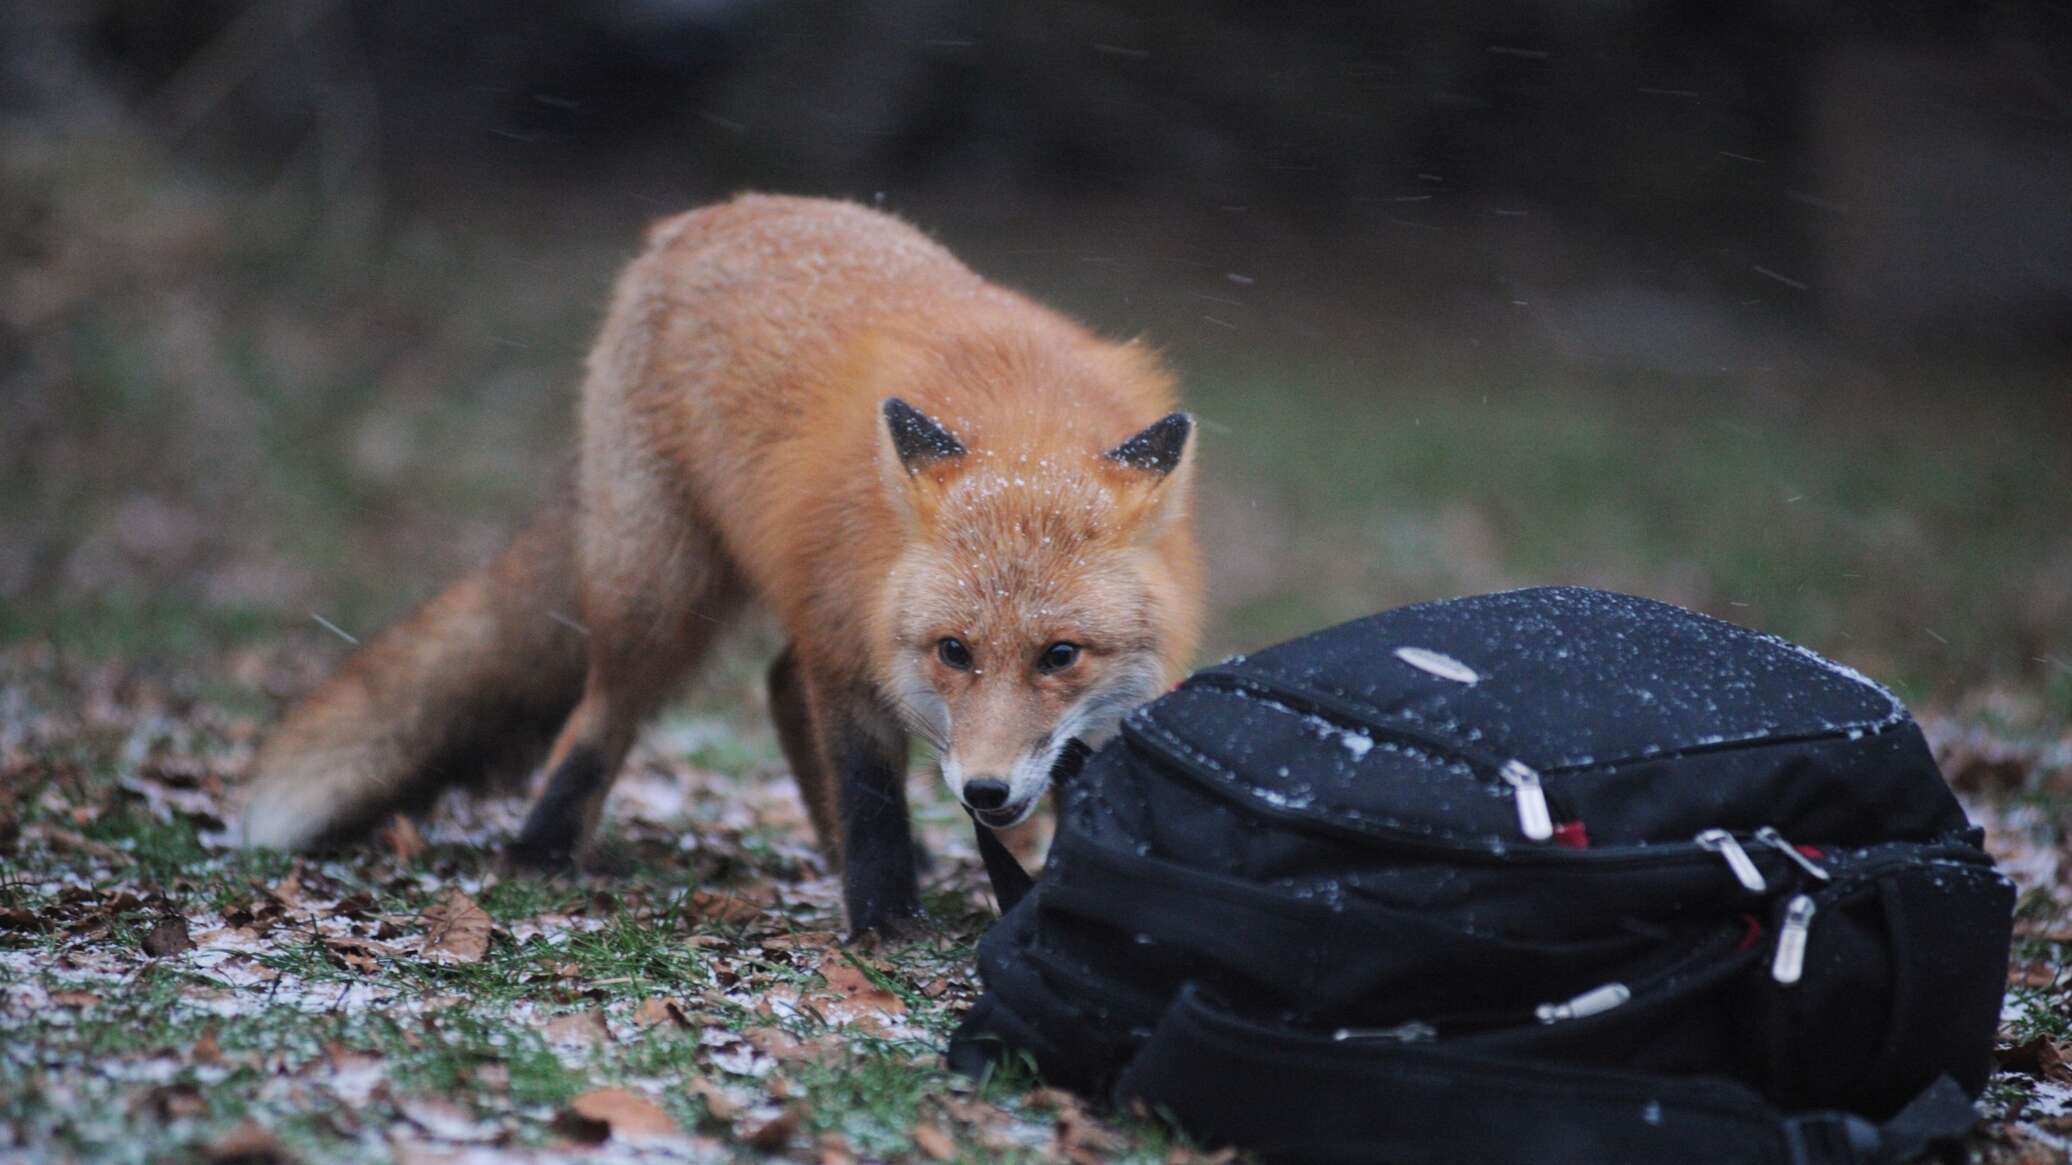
{"x": 1749, "y": 936}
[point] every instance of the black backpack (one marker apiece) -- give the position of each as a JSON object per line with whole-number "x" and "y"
{"x": 1551, "y": 875}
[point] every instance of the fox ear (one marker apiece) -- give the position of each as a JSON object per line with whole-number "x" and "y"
{"x": 910, "y": 442}
{"x": 917, "y": 440}
{"x": 1159, "y": 448}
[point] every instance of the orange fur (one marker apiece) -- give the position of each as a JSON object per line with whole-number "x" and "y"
{"x": 733, "y": 446}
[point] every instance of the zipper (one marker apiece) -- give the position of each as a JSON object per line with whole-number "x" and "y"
{"x": 1154, "y": 738}
{"x": 1790, "y": 962}
{"x": 1367, "y": 719}
{"x": 1411, "y": 1032}
{"x": 1592, "y": 1002}
{"x": 1769, "y": 836}
{"x": 1533, "y": 818}
{"x": 1724, "y": 844}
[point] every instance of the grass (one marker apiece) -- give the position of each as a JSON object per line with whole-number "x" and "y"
{"x": 120, "y": 1077}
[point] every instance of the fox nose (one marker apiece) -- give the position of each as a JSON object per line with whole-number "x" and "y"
{"x": 985, "y": 793}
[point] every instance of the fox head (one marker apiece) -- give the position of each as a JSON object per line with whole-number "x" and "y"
{"x": 1046, "y": 586}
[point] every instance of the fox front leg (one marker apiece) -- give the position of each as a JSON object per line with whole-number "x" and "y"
{"x": 868, "y": 752}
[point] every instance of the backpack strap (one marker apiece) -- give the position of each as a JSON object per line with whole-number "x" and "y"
{"x": 1304, "y": 1097}
{"x": 1010, "y": 881}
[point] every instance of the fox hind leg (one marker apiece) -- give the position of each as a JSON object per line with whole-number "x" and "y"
{"x": 652, "y": 607}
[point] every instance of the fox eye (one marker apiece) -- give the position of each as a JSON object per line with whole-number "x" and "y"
{"x": 951, "y": 651}
{"x": 1057, "y": 657}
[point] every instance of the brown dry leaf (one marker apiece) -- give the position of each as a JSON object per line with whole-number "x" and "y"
{"x": 658, "y": 1012}
{"x": 446, "y": 1120}
{"x": 74, "y": 998}
{"x": 401, "y": 838}
{"x": 803, "y": 940}
{"x": 579, "y": 1027}
{"x": 855, "y": 987}
{"x": 289, "y": 892}
{"x": 22, "y": 920}
{"x": 934, "y": 1142}
{"x": 776, "y": 1133}
{"x": 456, "y": 930}
{"x": 171, "y": 1102}
{"x": 359, "y": 954}
{"x": 626, "y": 1112}
{"x": 206, "y": 1050}
{"x": 2032, "y": 975}
{"x": 2040, "y": 1057}
{"x": 731, "y": 909}
{"x": 169, "y": 937}
{"x": 718, "y": 1105}
{"x": 247, "y": 1144}
{"x": 1081, "y": 1139}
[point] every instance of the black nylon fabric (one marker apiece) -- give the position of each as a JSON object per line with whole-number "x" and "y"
{"x": 1322, "y": 839}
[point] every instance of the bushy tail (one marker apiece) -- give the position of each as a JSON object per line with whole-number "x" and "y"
{"x": 474, "y": 683}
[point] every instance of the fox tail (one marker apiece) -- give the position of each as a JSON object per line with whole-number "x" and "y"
{"x": 474, "y": 683}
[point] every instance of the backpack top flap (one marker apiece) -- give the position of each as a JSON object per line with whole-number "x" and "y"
{"x": 1639, "y": 721}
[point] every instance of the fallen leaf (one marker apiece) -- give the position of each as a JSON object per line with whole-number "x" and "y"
{"x": 849, "y": 981}
{"x": 803, "y": 940}
{"x": 1081, "y": 1139}
{"x": 74, "y": 998}
{"x": 445, "y": 1119}
{"x": 206, "y": 1050}
{"x": 934, "y": 1142}
{"x": 247, "y": 1144}
{"x": 581, "y": 1129}
{"x": 2032, "y": 975}
{"x": 169, "y": 937}
{"x": 21, "y": 920}
{"x": 775, "y": 1133}
{"x": 359, "y": 954}
{"x": 835, "y": 1149}
{"x": 401, "y": 838}
{"x": 657, "y": 1012}
{"x": 731, "y": 909}
{"x": 2040, "y": 1057}
{"x": 718, "y": 1105}
{"x": 577, "y": 1027}
{"x": 456, "y": 930}
{"x": 626, "y": 1112}
{"x": 171, "y": 1102}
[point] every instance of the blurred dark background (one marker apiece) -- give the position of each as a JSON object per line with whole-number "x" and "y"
{"x": 1765, "y": 307}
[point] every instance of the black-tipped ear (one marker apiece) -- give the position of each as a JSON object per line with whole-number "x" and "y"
{"x": 917, "y": 438}
{"x": 1158, "y": 448}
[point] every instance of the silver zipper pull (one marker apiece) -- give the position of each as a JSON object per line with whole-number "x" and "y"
{"x": 1790, "y": 962}
{"x": 1591, "y": 1002}
{"x": 1721, "y": 842}
{"x": 1533, "y": 818}
{"x": 1410, "y": 1032}
{"x": 1775, "y": 840}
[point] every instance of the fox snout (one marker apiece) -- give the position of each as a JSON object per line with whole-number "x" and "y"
{"x": 985, "y": 794}
{"x": 1001, "y": 790}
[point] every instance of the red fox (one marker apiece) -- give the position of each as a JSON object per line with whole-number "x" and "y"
{"x": 969, "y": 514}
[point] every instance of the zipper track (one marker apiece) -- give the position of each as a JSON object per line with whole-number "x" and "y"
{"x": 1347, "y": 714}
{"x": 1142, "y": 730}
